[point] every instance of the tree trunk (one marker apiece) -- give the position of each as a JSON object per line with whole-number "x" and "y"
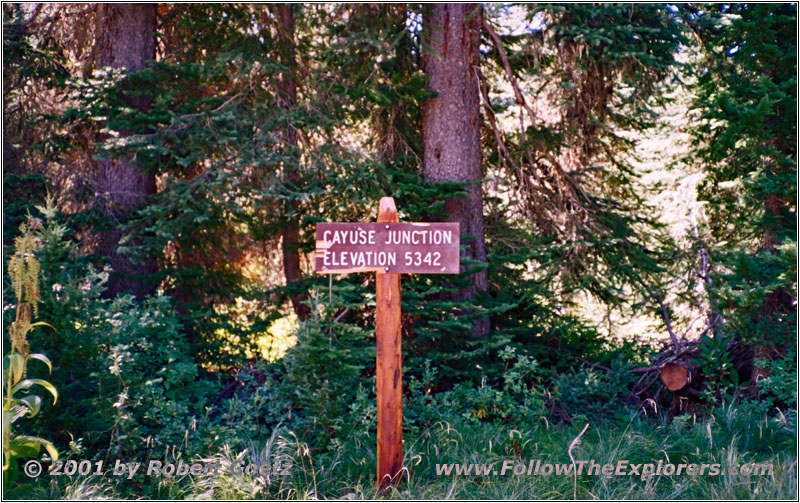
{"x": 287, "y": 100}
{"x": 451, "y": 127}
{"x": 125, "y": 38}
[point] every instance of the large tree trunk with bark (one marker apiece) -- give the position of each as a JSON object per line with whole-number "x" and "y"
{"x": 287, "y": 100}
{"x": 451, "y": 125}
{"x": 125, "y": 38}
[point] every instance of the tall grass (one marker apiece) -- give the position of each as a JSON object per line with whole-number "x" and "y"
{"x": 733, "y": 434}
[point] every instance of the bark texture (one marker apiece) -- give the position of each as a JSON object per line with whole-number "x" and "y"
{"x": 287, "y": 99}
{"x": 125, "y": 38}
{"x": 451, "y": 125}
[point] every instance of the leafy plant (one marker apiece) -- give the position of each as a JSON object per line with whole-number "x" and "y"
{"x": 780, "y": 385}
{"x": 716, "y": 363}
{"x": 24, "y": 269}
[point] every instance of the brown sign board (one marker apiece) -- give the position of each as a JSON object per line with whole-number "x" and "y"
{"x": 415, "y": 248}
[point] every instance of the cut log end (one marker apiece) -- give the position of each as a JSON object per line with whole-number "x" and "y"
{"x": 675, "y": 376}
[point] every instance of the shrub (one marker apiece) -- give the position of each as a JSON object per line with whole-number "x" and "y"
{"x": 129, "y": 382}
{"x": 596, "y": 394}
{"x": 779, "y": 388}
{"x": 158, "y": 396}
{"x": 519, "y": 399}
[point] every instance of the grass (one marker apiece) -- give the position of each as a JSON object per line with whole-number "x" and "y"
{"x": 732, "y": 434}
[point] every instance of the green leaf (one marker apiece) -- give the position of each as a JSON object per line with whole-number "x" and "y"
{"x": 16, "y": 367}
{"x": 27, "y": 444}
{"x": 8, "y": 419}
{"x": 42, "y": 358}
{"x": 42, "y": 324}
{"x": 27, "y": 383}
{"x": 33, "y": 402}
{"x": 25, "y": 447}
{"x": 51, "y": 449}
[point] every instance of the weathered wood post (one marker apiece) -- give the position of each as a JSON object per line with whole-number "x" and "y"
{"x": 388, "y": 371}
{"x": 389, "y": 248}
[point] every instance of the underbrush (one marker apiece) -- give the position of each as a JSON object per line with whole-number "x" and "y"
{"x": 731, "y": 435}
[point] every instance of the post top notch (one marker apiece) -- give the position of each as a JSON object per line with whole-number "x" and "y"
{"x": 387, "y": 203}
{"x": 387, "y": 211}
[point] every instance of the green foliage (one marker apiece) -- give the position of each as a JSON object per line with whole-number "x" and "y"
{"x": 438, "y": 327}
{"x": 177, "y": 375}
{"x": 15, "y": 446}
{"x": 258, "y": 403}
{"x": 278, "y": 453}
{"x": 21, "y": 194}
{"x": 231, "y": 183}
{"x": 348, "y": 471}
{"x": 587, "y": 393}
{"x": 779, "y": 385}
{"x": 32, "y": 68}
{"x": 70, "y": 297}
{"x": 606, "y": 66}
{"x": 517, "y": 400}
{"x": 24, "y": 271}
{"x": 717, "y": 366}
{"x": 126, "y": 361}
{"x": 746, "y": 140}
{"x": 159, "y": 395}
{"x": 323, "y": 370}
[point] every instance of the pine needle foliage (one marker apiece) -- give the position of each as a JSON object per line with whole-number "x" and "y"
{"x": 745, "y": 139}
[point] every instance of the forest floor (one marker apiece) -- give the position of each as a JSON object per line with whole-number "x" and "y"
{"x": 730, "y": 439}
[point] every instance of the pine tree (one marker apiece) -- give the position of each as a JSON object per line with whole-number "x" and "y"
{"x": 746, "y": 141}
{"x": 287, "y": 99}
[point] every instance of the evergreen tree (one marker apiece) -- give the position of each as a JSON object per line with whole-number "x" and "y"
{"x": 287, "y": 99}
{"x": 586, "y": 78}
{"x": 746, "y": 140}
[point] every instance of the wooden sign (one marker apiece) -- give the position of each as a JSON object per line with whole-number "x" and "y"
{"x": 419, "y": 248}
{"x": 389, "y": 248}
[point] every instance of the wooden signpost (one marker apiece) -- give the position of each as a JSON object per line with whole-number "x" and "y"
{"x": 389, "y": 248}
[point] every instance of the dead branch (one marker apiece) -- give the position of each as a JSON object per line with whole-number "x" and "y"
{"x": 664, "y": 313}
{"x": 487, "y": 106}
{"x": 714, "y": 318}
{"x": 498, "y": 44}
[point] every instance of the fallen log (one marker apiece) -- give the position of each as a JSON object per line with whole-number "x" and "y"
{"x": 683, "y": 379}
{"x": 677, "y": 374}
